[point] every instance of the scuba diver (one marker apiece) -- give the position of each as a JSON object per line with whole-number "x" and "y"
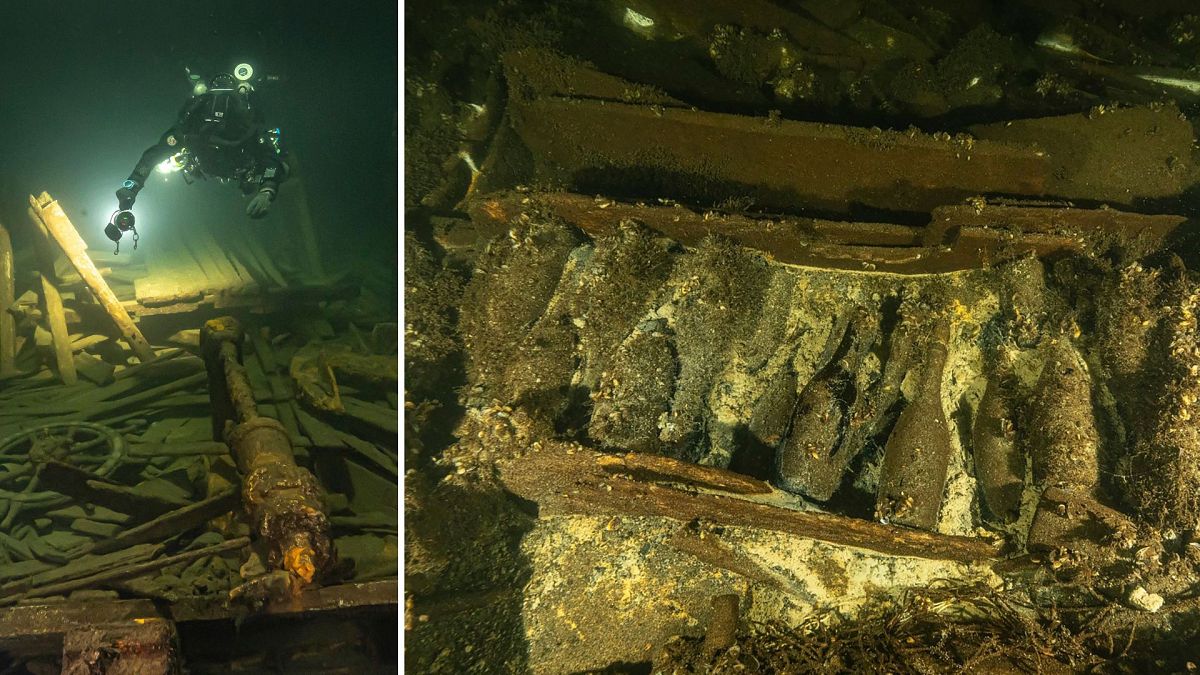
{"x": 220, "y": 133}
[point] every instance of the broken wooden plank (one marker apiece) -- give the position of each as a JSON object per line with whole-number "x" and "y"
{"x": 812, "y": 242}
{"x": 144, "y": 645}
{"x": 706, "y": 156}
{"x": 171, "y": 523}
{"x": 90, "y": 488}
{"x": 308, "y": 233}
{"x": 349, "y": 597}
{"x": 643, "y": 466}
{"x": 96, "y": 401}
{"x": 371, "y": 414}
{"x": 285, "y": 299}
{"x": 709, "y": 550}
{"x": 86, "y": 342}
{"x": 79, "y": 566}
{"x": 125, "y": 571}
{"x": 1050, "y": 220}
{"x": 1115, "y": 155}
{"x": 565, "y": 483}
{"x": 209, "y": 255}
{"x": 40, "y": 628}
{"x": 53, "y": 310}
{"x": 322, "y": 435}
{"x": 174, "y": 449}
{"x": 280, "y": 388}
{"x": 570, "y": 76}
{"x": 51, "y": 215}
{"x": 93, "y": 369}
{"x": 8, "y": 325}
{"x": 160, "y": 357}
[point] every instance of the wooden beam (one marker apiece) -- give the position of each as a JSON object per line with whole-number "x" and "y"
{"x": 52, "y": 306}
{"x": 52, "y": 217}
{"x": 584, "y": 482}
{"x": 308, "y": 233}
{"x": 8, "y": 325}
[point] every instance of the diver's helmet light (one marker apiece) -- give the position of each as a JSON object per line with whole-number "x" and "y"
{"x": 243, "y": 71}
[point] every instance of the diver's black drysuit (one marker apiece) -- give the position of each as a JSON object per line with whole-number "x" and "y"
{"x": 220, "y": 133}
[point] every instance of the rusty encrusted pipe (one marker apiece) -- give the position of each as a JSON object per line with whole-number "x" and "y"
{"x": 285, "y": 502}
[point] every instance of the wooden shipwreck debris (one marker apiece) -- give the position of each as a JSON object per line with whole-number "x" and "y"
{"x": 89, "y": 488}
{"x": 285, "y": 502}
{"x": 958, "y": 237}
{"x": 145, "y": 562}
{"x": 600, "y": 145}
{"x": 52, "y": 309}
{"x": 642, "y": 466}
{"x": 145, "y": 645}
{"x": 8, "y": 326}
{"x": 1146, "y": 151}
{"x": 603, "y": 139}
{"x": 1046, "y": 219}
{"x": 50, "y": 215}
{"x": 583, "y": 482}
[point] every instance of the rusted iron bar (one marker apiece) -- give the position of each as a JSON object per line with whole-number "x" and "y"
{"x": 285, "y": 502}
{"x": 8, "y": 325}
{"x": 50, "y": 214}
{"x": 580, "y": 483}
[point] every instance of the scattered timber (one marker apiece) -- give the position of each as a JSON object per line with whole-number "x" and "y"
{"x": 50, "y": 214}
{"x": 8, "y": 326}
{"x": 583, "y": 482}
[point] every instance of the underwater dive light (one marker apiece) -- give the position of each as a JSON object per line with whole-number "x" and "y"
{"x": 120, "y": 222}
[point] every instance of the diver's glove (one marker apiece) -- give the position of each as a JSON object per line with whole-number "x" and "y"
{"x": 127, "y": 194}
{"x": 261, "y": 204}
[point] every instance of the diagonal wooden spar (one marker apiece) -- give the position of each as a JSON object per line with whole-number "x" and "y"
{"x": 50, "y": 213}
